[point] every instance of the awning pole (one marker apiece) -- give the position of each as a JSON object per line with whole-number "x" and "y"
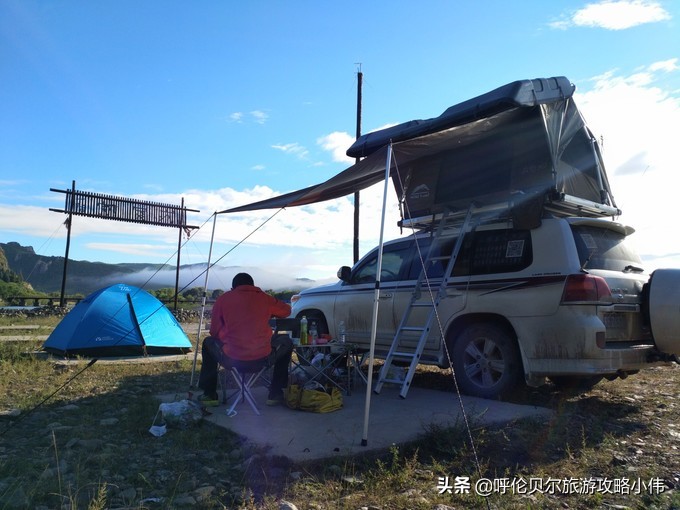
{"x": 376, "y": 299}
{"x": 205, "y": 291}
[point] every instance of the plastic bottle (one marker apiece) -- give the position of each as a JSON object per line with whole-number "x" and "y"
{"x": 342, "y": 332}
{"x": 313, "y": 333}
{"x": 303, "y": 331}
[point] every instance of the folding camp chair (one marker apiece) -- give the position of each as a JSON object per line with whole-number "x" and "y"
{"x": 245, "y": 374}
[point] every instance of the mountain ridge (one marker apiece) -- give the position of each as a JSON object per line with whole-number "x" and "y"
{"x": 45, "y": 273}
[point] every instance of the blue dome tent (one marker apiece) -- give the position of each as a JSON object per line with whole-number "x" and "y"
{"x": 115, "y": 321}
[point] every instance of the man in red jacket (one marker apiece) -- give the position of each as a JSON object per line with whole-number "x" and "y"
{"x": 240, "y": 330}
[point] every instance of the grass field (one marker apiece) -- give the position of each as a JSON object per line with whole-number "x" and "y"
{"x": 73, "y": 436}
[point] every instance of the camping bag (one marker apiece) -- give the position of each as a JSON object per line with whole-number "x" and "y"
{"x": 316, "y": 398}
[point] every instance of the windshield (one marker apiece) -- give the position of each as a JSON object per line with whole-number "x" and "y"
{"x": 602, "y": 248}
{"x": 395, "y": 257}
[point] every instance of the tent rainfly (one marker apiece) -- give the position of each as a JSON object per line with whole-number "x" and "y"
{"x": 115, "y": 321}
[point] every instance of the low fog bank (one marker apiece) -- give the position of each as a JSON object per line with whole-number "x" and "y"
{"x": 220, "y": 277}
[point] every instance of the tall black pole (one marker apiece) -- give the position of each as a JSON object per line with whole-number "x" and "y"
{"x": 69, "y": 220}
{"x": 360, "y": 77}
{"x": 179, "y": 249}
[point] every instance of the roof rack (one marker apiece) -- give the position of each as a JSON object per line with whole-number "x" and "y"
{"x": 498, "y": 211}
{"x": 558, "y": 204}
{"x": 563, "y": 205}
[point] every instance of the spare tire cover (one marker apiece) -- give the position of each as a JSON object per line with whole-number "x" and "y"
{"x": 664, "y": 309}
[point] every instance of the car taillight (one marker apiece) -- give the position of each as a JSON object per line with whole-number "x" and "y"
{"x": 294, "y": 298}
{"x": 584, "y": 287}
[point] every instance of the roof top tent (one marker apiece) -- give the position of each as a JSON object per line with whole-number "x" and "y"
{"x": 523, "y": 146}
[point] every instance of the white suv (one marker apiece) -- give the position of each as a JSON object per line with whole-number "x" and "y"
{"x": 568, "y": 300}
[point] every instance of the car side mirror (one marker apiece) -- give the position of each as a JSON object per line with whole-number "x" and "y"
{"x": 344, "y": 273}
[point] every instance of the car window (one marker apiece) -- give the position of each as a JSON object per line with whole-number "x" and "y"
{"x": 602, "y": 248}
{"x": 396, "y": 258}
{"x": 500, "y": 251}
{"x": 420, "y": 253}
{"x": 443, "y": 248}
{"x": 482, "y": 252}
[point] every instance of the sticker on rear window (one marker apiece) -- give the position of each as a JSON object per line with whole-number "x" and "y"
{"x": 514, "y": 249}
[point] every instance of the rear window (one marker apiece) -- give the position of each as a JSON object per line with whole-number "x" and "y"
{"x": 602, "y": 248}
{"x": 496, "y": 251}
{"x": 483, "y": 252}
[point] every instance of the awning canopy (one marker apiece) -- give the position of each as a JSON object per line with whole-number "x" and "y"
{"x": 355, "y": 178}
{"x": 526, "y": 138}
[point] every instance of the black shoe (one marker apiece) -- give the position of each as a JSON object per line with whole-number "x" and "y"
{"x": 209, "y": 399}
{"x": 275, "y": 398}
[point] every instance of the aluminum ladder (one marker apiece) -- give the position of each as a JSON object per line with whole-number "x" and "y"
{"x": 400, "y": 352}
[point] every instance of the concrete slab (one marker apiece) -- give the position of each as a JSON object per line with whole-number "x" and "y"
{"x": 303, "y": 436}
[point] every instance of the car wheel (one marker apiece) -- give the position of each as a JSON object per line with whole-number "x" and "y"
{"x": 486, "y": 361}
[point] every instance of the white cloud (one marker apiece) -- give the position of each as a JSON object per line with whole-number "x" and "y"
{"x": 637, "y": 120}
{"x": 634, "y": 116}
{"x": 259, "y": 116}
{"x": 308, "y": 241}
{"x": 668, "y": 66}
{"x": 615, "y": 15}
{"x": 292, "y": 148}
{"x": 150, "y": 251}
{"x": 337, "y": 144}
{"x": 39, "y": 221}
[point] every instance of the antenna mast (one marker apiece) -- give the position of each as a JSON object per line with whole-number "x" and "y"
{"x": 360, "y": 77}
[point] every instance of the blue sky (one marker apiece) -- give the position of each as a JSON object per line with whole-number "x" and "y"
{"x": 223, "y": 103}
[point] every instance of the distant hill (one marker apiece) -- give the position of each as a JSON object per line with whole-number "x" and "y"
{"x": 4, "y": 266}
{"x": 9, "y": 277}
{"x": 45, "y": 274}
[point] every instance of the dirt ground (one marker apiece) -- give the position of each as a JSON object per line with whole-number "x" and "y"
{"x": 619, "y": 430}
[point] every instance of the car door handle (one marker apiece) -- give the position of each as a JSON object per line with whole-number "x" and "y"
{"x": 386, "y": 295}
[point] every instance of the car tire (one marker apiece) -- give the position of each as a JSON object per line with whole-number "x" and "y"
{"x": 486, "y": 361}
